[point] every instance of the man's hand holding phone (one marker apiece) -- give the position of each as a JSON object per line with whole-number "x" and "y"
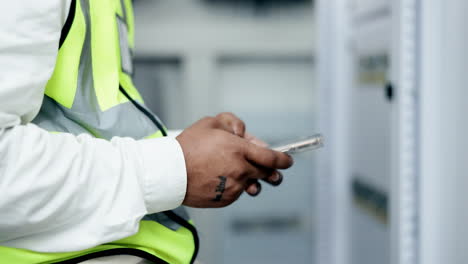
{"x": 221, "y": 162}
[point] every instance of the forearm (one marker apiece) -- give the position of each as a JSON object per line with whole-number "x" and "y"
{"x": 57, "y": 186}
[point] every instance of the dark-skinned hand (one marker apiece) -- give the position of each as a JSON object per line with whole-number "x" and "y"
{"x": 221, "y": 162}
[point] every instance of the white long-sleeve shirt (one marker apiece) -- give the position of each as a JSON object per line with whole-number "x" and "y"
{"x": 60, "y": 192}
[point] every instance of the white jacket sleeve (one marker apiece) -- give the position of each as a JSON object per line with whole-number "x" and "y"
{"x": 60, "y": 192}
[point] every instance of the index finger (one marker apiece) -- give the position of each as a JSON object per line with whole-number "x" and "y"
{"x": 267, "y": 157}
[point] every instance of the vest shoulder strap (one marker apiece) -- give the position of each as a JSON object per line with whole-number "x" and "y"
{"x": 66, "y": 27}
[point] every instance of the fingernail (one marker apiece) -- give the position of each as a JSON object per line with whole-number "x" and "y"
{"x": 276, "y": 179}
{"x": 259, "y": 189}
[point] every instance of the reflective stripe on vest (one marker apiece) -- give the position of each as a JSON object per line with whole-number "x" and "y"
{"x": 82, "y": 95}
{"x": 91, "y": 91}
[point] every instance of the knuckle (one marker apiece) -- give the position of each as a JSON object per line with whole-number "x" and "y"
{"x": 227, "y": 114}
{"x": 221, "y": 115}
{"x": 212, "y": 121}
{"x": 208, "y": 119}
{"x": 240, "y": 123}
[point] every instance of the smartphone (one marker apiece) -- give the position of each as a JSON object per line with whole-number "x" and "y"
{"x": 297, "y": 146}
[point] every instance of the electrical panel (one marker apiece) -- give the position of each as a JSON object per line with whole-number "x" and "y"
{"x": 370, "y": 136}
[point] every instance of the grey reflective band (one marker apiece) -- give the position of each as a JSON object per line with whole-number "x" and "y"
{"x": 164, "y": 220}
{"x": 125, "y": 53}
{"x": 51, "y": 117}
{"x": 126, "y": 58}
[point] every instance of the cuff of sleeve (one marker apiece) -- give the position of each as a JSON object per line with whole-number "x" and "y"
{"x": 173, "y": 133}
{"x": 164, "y": 181}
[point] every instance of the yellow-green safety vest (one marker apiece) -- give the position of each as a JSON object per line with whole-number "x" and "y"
{"x": 91, "y": 91}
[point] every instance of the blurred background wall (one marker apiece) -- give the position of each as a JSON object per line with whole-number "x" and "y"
{"x": 256, "y": 59}
{"x": 384, "y": 80}
{"x": 392, "y": 76}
